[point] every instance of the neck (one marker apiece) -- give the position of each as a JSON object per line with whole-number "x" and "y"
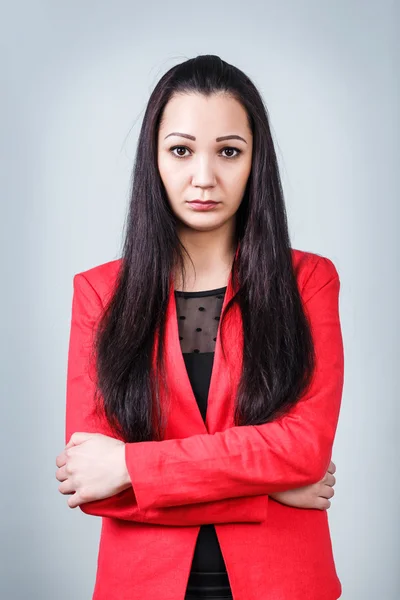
{"x": 212, "y": 253}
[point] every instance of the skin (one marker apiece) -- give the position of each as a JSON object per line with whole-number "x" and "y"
{"x": 92, "y": 466}
{"x": 207, "y": 170}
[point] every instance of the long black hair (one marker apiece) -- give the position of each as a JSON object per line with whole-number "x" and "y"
{"x": 278, "y": 354}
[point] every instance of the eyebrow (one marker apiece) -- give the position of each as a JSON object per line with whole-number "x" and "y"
{"x": 218, "y": 139}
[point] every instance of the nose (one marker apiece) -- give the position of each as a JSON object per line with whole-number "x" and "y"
{"x": 203, "y": 173}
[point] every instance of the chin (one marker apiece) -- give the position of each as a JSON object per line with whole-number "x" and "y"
{"x": 210, "y": 225}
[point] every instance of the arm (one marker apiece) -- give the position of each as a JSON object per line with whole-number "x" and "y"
{"x": 80, "y": 416}
{"x": 288, "y": 453}
{"x": 230, "y": 510}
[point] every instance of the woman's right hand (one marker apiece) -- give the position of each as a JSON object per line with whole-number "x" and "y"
{"x": 310, "y": 496}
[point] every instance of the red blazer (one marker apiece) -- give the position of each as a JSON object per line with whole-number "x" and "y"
{"x": 215, "y": 472}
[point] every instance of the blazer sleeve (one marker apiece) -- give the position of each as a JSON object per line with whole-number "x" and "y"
{"x": 290, "y": 452}
{"x": 80, "y": 416}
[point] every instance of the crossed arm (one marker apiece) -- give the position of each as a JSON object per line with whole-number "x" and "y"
{"x": 227, "y": 476}
{"x": 81, "y": 416}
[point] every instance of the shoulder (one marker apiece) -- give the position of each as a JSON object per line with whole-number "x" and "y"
{"x": 99, "y": 279}
{"x": 313, "y": 271}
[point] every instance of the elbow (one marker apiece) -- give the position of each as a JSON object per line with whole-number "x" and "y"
{"x": 312, "y": 466}
{"x": 89, "y": 509}
{"x": 84, "y": 509}
{"x": 319, "y": 464}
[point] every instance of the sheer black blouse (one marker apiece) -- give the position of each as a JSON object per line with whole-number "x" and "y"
{"x": 198, "y": 316}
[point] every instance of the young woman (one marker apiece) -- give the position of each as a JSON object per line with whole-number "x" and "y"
{"x": 205, "y": 366}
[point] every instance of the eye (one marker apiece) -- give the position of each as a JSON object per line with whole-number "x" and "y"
{"x": 229, "y": 148}
{"x": 178, "y": 148}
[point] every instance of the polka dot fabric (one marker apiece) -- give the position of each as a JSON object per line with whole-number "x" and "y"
{"x": 198, "y": 319}
{"x": 198, "y": 315}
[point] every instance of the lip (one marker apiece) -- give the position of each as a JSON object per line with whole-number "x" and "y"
{"x": 198, "y": 201}
{"x": 202, "y": 204}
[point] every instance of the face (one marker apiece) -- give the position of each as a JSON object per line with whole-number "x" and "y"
{"x": 194, "y": 164}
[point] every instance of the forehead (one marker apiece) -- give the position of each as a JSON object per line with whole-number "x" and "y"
{"x": 196, "y": 114}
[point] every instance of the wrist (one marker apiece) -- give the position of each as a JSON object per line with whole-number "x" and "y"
{"x": 125, "y": 477}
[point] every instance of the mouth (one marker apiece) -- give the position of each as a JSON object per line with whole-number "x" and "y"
{"x": 202, "y": 204}
{"x": 203, "y": 201}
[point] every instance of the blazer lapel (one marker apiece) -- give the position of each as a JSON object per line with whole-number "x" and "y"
{"x": 184, "y": 417}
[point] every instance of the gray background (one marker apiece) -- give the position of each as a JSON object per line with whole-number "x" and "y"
{"x": 75, "y": 80}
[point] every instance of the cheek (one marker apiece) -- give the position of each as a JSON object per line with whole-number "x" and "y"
{"x": 173, "y": 188}
{"x": 164, "y": 173}
{"x": 237, "y": 183}
{"x": 171, "y": 178}
{"x": 245, "y": 171}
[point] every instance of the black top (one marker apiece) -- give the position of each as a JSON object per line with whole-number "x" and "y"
{"x": 198, "y": 316}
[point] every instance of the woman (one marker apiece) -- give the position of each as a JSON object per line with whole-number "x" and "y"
{"x": 208, "y": 486}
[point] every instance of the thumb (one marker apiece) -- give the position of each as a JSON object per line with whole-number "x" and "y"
{"x": 78, "y": 437}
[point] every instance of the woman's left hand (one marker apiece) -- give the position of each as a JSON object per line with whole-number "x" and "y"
{"x": 91, "y": 467}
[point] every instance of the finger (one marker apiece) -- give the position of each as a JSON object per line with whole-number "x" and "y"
{"x": 332, "y": 467}
{"x": 61, "y": 474}
{"x": 322, "y": 503}
{"x": 327, "y": 492}
{"x": 78, "y": 437}
{"x": 329, "y": 479}
{"x": 61, "y": 459}
{"x": 74, "y": 500}
{"x": 66, "y": 487}
{"x": 72, "y": 442}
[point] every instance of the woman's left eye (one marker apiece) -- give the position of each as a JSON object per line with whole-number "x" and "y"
{"x": 232, "y": 148}
{"x": 228, "y": 148}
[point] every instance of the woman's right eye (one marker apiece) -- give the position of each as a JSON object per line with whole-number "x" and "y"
{"x": 178, "y": 148}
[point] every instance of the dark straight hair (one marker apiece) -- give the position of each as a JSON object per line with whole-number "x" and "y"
{"x": 278, "y": 354}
